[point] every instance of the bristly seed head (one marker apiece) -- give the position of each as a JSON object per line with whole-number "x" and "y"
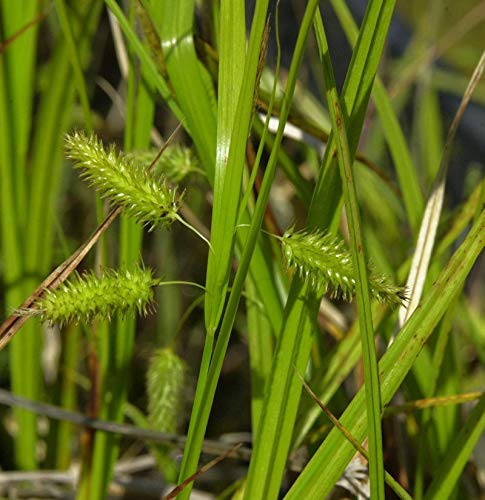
{"x": 124, "y": 181}
{"x": 86, "y": 297}
{"x": 322, "y": 260}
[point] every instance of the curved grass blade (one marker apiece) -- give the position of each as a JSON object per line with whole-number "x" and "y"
{"x": 193, "y": 88}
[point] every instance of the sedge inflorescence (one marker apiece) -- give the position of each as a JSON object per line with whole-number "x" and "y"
{"x": 166, "y": 384}
{"x": 86, "y": 297}
{"x": 324, "y": 262}
{"x": 176, "y": 163}
{"x": 124, "y": 181}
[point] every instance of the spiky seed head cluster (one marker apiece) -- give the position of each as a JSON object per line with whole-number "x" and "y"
{"x": 323, "y": 261}
{"x": 166, "y": 385}
{"x": 176, "y": 163}
{"x": 124, "y": 181}
{"x": 86, "y": 297}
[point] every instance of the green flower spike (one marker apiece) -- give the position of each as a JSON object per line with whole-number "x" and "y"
{"x": 124, "y": 181}
{"x": 86, "y": 297}
{"x": 324, "y": 262}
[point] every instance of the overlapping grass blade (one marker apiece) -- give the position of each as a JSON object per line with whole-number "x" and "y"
{"x": 412, "y": 196}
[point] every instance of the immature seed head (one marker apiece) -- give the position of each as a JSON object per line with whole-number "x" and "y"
{"x": 166, "y": 386}
{"x": 176, "y": 162}
{"x": 124, "y": 181}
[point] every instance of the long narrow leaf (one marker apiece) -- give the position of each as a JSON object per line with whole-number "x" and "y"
{"x": 227, "y": 185}
{"x": 373, "y": 395}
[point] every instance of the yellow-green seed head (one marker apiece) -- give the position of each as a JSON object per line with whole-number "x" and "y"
{"x": 176, "y": 163}
{"x": 124, "y": 181}
{"x": 87, "y": 297}
{"x": 322, "y": 260}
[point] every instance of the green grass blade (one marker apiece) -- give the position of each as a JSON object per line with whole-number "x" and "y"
{"x": 333, "y": 455}
{"x": 231, "y": 158}
{"x": 276, "y": 423}
{"x": 260, "y": 340}
{"x": 355, "y": 95}
{"x": 16, "y": 105}
{"x": 19, "y": 85}
{"x": 371, "y": 376}
{"x": 188, "y": 77}
{"x": 429, "y": 129}
{"x": 227, "y": 188}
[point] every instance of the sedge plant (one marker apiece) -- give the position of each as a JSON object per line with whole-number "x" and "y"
{"x": 325, "y": 302}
